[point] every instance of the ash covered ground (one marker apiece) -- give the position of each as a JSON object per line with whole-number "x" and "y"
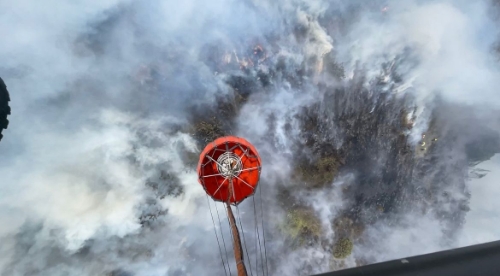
{"x": 372, "y": 118}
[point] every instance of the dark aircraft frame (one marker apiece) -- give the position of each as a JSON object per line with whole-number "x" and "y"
{"x": 4, "y": 107}
{"x": 476, "y": 260}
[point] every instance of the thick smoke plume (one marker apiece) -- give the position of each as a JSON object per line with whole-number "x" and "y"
{"x": 372, "y": 119}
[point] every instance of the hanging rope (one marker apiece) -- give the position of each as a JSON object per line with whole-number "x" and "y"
{"x": 223, "y": 241}
{"x": 229, "y": 225}
{"x": 217, "y": 237}
{"x": 244, "y": 240}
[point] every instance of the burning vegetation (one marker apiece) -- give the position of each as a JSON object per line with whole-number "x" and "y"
{"x": 350, "y": 128}
{"x": 352, "y": 135}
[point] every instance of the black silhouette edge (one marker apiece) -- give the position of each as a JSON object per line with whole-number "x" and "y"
{"x": 480, "y": 259}
{"x": 4, "y": 107}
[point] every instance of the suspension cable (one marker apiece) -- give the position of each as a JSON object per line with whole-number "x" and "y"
{"x": 258, "y": 234}
{"x": 217, "y": 237}
{"x": 256, "y": 240}
{"x": 256, "y": 245}
{"x": 263, "y": 228}
{"x": 244, "y": 240}
{"x": 220, "y": 223}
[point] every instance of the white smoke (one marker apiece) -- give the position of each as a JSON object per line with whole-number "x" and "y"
{"x": 83, "y": 140}
{"x": 449, "y": 46}
{"x": 483, "y": 218}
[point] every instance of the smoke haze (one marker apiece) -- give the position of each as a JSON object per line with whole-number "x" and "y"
{"x": 96, "y": 168}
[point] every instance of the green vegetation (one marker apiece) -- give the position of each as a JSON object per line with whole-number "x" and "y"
{"x": 206, "y": 131}
{"x": 346, "y": 227}
{"x": 302, "y": 225}
{"x": 343, "y": 248}
{"x": 320, "y": 173}
{"x": 349, "y": 230}
{"x": 337, "y": 264}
